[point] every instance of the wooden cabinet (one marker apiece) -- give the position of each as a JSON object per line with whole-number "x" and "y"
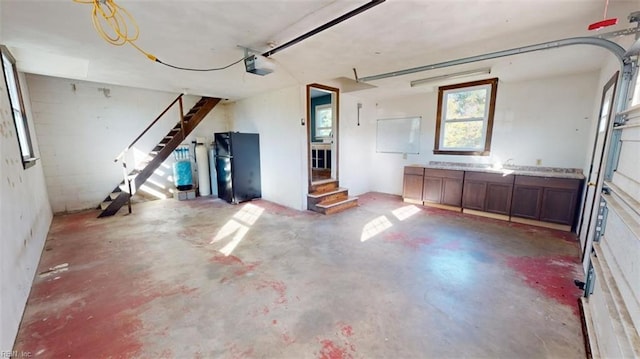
{"x": 412, "y": 183}
{"x": 546, "y": 199}
{"x": 488, "y": 192}
{"x": 452, "y": 190}
{"x": 526, "y": 201}
{"x": 443, "y": 187}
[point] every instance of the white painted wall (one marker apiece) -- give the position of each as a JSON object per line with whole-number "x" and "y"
{"x": 25, "y": 216}
{"x": 547, "y": 119}
{"x": 356, "y": 147}
{"x": 276, "y": 117}
{"x": 82, "y": 126}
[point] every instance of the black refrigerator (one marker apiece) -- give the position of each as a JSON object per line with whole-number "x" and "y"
{"x": 238, "y": 166}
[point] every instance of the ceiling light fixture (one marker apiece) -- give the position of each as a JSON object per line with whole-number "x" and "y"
{"x": 454, "y": 75}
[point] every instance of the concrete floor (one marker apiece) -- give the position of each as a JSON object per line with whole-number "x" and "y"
{"x": 384, "y": 280}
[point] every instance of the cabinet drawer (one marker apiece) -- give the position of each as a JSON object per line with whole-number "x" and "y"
{"x": 409, "y": 170}
{"x": 443, "y": 173}
{"x": 488, "y": 177}
{"x": 549, "y": 182}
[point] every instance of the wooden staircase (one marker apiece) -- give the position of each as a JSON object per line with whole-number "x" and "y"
{"x": 120, "y": 194}
{"x": 327, "y": 198}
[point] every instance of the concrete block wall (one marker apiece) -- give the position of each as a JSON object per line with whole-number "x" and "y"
{"x": 82, "y": 126}
{"x": 25, "y": 217}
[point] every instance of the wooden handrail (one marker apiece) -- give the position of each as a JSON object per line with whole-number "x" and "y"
{"x": 179, "y": 98}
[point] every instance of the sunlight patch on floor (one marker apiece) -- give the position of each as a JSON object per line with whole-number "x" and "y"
{"x": 238, "y": 226}
{"x": 374, "y": 227}
{"x": 405, "y": 212}
{"x": 153, "y": 192}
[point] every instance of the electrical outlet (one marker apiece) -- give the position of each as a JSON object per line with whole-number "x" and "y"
{"x": 404, "y": 156}
{"x": 538, "y": 162}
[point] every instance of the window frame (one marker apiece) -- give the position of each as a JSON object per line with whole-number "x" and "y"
{"x": 487, "y": 120}
{"x": 317, "y": 109}
{"x": 29, "y": 159}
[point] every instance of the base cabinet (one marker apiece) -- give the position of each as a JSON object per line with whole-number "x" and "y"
{"x": 452, "y": 191}
{"x": 546, "y": 199}
{"x": 443, "y": 187}
{"x": 487, "y": 192}
{"x": 432, "y": 189}
{"x": 526, "y": 201}
{"x": 412, "y": 183}
{"x": 559, "y": 205}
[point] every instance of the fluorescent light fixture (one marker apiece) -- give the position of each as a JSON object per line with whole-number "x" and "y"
{"x": 451, "y": 76}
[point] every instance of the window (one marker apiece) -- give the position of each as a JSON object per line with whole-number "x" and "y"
{"x": 17, "y": 107}
{"x": 465, "y": 118}
{"x": 324, "y": 121}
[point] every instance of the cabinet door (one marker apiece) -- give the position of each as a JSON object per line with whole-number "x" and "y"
{"x": 526, "y": 202}
{"x": 558, "y": 205}
{"x": 498, "y": 199}
{"x": 452, "y": 192}
{"x": 473, "y": 195}
{"x": 432, "y": 190}
{"x": 412, "y": 187}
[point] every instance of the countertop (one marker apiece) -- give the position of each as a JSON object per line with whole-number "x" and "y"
{"x": 554, "y": 172}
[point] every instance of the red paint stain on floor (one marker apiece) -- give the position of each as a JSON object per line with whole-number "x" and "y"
{"x": 246, "y": 268}
{"x": 551, "y": 276}
{"x": 288, "y": 340}
{"x": 240, "y": 268}
{"x": 226, "y": 260}
{"x": 330, "y": 350}
{"x": 105, "y": 309}
{"x": 452, "y": 245}
{"x": 237, "y": 353}
{"x": 277, "y": 286}
{"x": 93, "y": 309}
{"x": 406, "y": 240}
{"x": 346, "y": 330}
{"x": 543, "y": 232}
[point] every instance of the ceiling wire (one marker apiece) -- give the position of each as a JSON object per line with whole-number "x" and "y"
{"x": 107, "y": 15}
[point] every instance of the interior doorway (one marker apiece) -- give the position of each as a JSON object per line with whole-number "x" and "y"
{"x": 322, "y": 133}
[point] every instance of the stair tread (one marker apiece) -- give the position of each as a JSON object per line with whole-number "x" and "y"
{"x": 336, "y": 202}
{"x": 318, "y": 194}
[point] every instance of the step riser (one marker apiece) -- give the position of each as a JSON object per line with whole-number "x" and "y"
{"x": 324, "y": 187}
{"x": 340, "y": 195}
{"x": 341, "y": 207}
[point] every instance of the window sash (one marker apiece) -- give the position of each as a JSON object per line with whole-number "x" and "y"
{"x": 322, "y": 129}
{"x": 479, "y": 120}
{"x": 445, "y": 120}
{"x": 10, "y": 75}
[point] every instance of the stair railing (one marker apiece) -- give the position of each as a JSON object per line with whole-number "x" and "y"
{"x": 123, "y": 155}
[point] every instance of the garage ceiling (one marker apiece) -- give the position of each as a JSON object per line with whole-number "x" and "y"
{"x": 57, "y": 38}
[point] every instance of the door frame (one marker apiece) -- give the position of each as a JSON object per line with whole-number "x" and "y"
{"x": 589, "y": 181}
{"x": 335, "y": 125}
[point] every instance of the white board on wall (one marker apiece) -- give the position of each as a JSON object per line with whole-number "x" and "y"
{"x": 398, "y": 135}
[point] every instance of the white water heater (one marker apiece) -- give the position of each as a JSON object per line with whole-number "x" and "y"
{"x": 202, "y": 160}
